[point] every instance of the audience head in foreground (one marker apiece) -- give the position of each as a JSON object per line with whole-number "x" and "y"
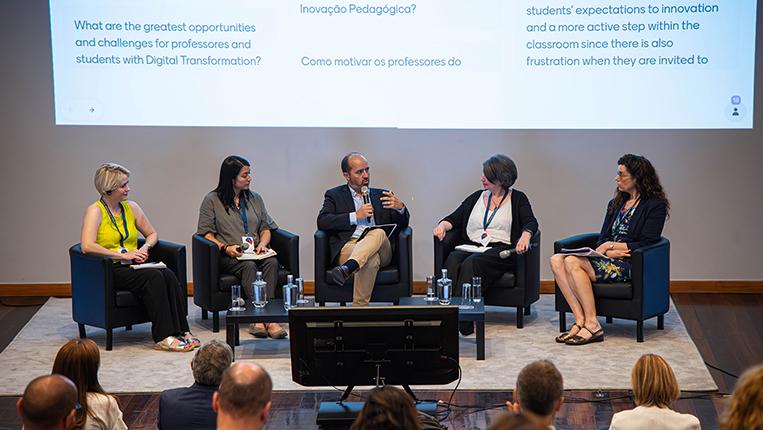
{"x": 539, "y": 392}
{"x": 746, "y": 408}
{"x": 243, "y": 399}
{"x": 210, "y": 362}
{"x": 49, "y": 402}
{"x": 79, "y": 360}
{"x": 387, "y": 407}
{"x": 190, "y": 408}
{"x": 655, "y": 388}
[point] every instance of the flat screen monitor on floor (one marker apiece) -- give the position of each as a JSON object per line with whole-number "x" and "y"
{"x": 377, "y": 345}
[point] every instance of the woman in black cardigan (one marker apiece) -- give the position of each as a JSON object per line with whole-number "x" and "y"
{"x": 634, "y": 219}
{"x": 498, "y": 217}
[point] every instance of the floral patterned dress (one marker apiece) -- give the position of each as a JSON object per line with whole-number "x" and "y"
{"x": 610, "y": 269}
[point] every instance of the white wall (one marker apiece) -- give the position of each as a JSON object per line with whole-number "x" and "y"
{"x": 712, "y": 177}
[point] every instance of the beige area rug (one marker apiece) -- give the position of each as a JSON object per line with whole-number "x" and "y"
{"x": 134, "y": 366}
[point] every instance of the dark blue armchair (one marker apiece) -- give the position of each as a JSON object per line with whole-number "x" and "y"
{"x": 646, "y": 296}
{"x": 211, "y": 289}
{"x": 394, "y": 280}
{"x": 95, "y": 301}
{"x": 519, "y": 288}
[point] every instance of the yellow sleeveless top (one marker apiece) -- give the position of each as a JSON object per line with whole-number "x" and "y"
{"x": 108, "y": 235}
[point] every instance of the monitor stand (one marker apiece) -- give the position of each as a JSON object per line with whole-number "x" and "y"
{"x": 341, "y": 414}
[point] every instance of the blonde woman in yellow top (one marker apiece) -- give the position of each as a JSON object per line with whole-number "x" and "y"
{"x": 110, "y": 228}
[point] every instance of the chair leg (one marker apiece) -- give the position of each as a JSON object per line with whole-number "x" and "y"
{"x": 639, "y": 331}
{"x": 128, "y": 327}
{"x": 204, "y": 314}
{"x": 82, "y": 333}
{"x": 215, "y": 322}
{"x": 520, "y": 317}
{"x": 609, "y": 320}
{"x": 562, "y": 321}
{"x": 109, "y": 339}
{"x": 660, "y": 322}
{"x": 321, "y": 304}
{"x": 527, "y": 310}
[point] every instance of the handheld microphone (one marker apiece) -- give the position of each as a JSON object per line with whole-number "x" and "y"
{"x": 509, "y": 252}
{"x": 366, "y": 198}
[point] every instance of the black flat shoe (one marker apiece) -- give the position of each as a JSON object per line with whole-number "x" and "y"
{"x": 580, "y": 340}
{"x": 340, "y": 274}
{"x": 566, "y": 335}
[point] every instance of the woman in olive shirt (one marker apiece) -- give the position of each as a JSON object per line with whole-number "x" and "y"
{"x": 227, "y": 214}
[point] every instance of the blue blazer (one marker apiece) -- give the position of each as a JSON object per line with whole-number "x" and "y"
{"x": 645, "y": 227}
{"x": 187, "y": 408}
{"x": 334, "y": 216}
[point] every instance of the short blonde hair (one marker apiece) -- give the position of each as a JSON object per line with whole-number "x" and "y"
{"x": 745, "y": 410}
{"x": 653, "y": 381}
{"x": 109, "y": 176}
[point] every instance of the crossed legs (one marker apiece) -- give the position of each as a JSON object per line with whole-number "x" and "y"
{"x": 371, "y": 253}
{"x": 574, "y": 275}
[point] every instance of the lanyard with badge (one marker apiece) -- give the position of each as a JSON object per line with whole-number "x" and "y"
{"x": 485, "y": 238}
{"x": 247, "y": 241}
{"x": 122, "y": 238}
{"x": 622, "y": 214}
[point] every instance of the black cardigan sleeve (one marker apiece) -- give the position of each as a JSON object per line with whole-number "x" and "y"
{"x": 524, "y": 217}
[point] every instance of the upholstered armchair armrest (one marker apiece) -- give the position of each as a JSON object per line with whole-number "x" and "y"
{"x": 92, "y": 285}
{"x": 322, "y": 252}
{"x": 650, "y": 268}
{"x": 172, "y": 254}
{"x": 206, "y": 269}
{"x": 405, "y": 255}
{"x": 528, "y": 264}
{"x": 286, "y": 244}
{"x": 577, "y": 241}
{"x": 442, "y": 249}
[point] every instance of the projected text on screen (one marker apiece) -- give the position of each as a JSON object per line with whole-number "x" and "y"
{"x": 421, "y": 64}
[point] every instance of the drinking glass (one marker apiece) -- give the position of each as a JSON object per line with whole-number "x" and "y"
{"x": 431, "y": 293}
{"x": 477, "y": 289}
{"x": 466, "y": 296}
{"x": 237, "y": 303}
{"x": 301, "y": 287}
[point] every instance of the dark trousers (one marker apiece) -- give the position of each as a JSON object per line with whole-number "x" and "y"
{"x": 246, "y": 272}
{"x": 161, "y": 295}
{"x": 462, "y": 266}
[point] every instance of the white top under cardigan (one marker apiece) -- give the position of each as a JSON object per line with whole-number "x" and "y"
{"x": 499, "y": 229}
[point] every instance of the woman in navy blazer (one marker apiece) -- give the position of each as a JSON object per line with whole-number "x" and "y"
{"x": 634, "y": 218}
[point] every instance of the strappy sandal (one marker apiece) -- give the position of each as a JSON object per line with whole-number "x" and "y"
{"x": 173, "y": 344}
{"x": 566, "y": 335}
{"x": 580, "y": 340}
{"x": 190, "y": 339}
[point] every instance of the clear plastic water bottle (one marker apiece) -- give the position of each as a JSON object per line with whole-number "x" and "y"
{"x": 290, "y": 293}
{"x": 444, "y": 288}
{"x": 259, "y": 291}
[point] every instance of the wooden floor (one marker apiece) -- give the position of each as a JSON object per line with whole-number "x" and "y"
{"x": 727, "y": 329}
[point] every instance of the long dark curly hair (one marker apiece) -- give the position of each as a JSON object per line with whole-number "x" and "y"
{"x": 387, "y": 408}
{"x": 646, "y": 179}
